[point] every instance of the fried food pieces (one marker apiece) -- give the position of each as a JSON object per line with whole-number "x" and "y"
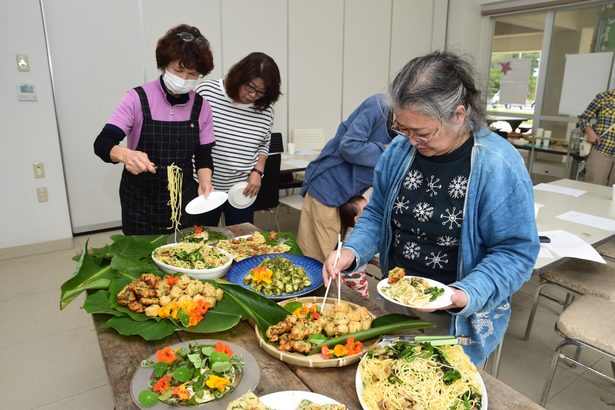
{"x": 395, "y": 275}
{"x": 149, "y": 293}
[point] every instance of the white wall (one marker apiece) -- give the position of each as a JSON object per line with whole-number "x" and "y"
{"x": 29, "y": 134}
{"x": 332, "y": 54}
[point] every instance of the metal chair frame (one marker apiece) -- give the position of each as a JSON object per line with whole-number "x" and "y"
{"x": 570, "y": 295}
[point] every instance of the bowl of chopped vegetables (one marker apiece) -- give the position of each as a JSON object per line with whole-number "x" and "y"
{"x": 197, "y": 260}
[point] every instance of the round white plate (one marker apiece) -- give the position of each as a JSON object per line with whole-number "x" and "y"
{"x": 442, "y": 301}
{"x": 200, "y": 205}
{"x": 290, "y": 399}
{"x": 359, "y": 386}
{"x": 237, "y": 198}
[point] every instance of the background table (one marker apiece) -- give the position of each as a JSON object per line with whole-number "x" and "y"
{"x": 596, "y": 201}
{"x": 122, "y": 355}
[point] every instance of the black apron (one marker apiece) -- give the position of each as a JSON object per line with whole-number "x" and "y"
{"x": 145, "y": 197}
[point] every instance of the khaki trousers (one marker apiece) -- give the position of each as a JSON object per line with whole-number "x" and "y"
{"x": 600, "y": 168}
{"x": 319, "y": 227}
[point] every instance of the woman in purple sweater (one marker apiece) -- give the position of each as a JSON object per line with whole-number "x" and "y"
{"x": 166, "y": 123}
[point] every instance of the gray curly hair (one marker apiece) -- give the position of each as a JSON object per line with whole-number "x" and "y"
{"x": 435, "y": 85}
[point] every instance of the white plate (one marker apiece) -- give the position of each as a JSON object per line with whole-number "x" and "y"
{"x": 442, "y": 300}
{"x": 200, "y": 205}
{"x": 520, "y": 141}
{"x": 237, "y": 198}
{"x": 290, "y": 399}
{"x": 359, "y": 386}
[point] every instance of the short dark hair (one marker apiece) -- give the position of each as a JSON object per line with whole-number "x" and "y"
{"x": 192, "y": 54}
{"x": 255, "y": 65}
{"x": 349, "y": 210}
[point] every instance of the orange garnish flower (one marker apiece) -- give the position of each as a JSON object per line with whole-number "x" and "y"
{"x": 215, "y": 382}
{"x": 261, "y": 274}
{"x": 163, "y": 384}
{"x": 165, "y": 355}
{"x": 326, "y": 352}
{"x": 353, "y": 347}
{"x": 171, "y": 280}
{"x": 181, "y": 392}
{"x": 349, "y": 349}
{"x": 221, "y": 347}
{"x": 198, "y": 229}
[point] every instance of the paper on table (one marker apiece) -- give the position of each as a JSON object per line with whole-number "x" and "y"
{"x": 566, "y": 244}
{"x": 587, "y": 219}
{"x": 298, "y": 163}
{"x": 559, "y": 189}
{"x": 305, "y": 152}
{"x": 544, "y": 251}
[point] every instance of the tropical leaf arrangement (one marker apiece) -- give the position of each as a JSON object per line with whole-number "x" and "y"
{"x": 104, "y": 272}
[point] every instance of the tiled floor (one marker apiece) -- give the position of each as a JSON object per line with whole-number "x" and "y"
{"x": 50, "y": 358}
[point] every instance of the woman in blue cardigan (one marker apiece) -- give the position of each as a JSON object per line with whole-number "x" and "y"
{"x": 452, "y": 201}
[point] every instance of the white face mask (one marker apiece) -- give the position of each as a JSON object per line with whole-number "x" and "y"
{"x": 177, "y": 85}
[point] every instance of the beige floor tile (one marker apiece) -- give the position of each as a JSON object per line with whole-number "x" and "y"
{"x": 99, "y": 398}
{"x": 36, "y": 274}
{"x": 38, "y": 316}
{"x": 45, "y": 370}
{"x": 95, "y": 240}
{"x": 582, "y": 394}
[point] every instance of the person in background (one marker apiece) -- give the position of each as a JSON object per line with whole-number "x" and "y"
{"x": 343, "y": 169}
{"x": 597, "y": 121}
{"x": 452, "y": 201}
{"x": 166, "y": 123}
{"x": 349, "y": 215}
{"x": 242, "y": 105}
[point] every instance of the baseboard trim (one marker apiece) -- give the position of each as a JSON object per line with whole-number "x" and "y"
{"x": 36, "y": 248}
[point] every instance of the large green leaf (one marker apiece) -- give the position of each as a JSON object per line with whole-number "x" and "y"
{"x": 99, "y": 303}
{"x": 88, "y": 275}
{"x": 262, "y": 310}
{"x": 214, "y": 322}
{"x": 148, "y": 330}
{"x": 133, "y": 267}
{"x": 136, "y": 247}
{"x": 386, "y": 324}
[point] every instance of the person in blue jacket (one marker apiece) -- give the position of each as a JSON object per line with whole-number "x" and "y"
{"x": 452, "y": 201}
{"x": 344, "y": 168}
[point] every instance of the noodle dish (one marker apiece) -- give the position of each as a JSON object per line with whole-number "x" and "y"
{"x": 409, "y": 375}
{"x": 195, "y": 259}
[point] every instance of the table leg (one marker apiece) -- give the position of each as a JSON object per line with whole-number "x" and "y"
{"x": 530, "y": 161}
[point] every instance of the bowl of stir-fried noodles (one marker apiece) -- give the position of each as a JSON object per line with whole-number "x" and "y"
{"x": 197, "y": 260}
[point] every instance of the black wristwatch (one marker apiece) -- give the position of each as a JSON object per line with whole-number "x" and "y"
{"x": 258, "y": 171}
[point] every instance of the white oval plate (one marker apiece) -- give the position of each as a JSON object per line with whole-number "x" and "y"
{"x": 200, "y": 205}
{"x": 358, "y": 383}
{"x": 290, "y": 399}
{"x": 237, "y": 198}
{"x": 442, "y": 301}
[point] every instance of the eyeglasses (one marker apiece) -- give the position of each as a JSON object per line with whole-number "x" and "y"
{"x": 408, "y": 133}
{"x": 253, "y": 90}
{"x": 188, "y": 37}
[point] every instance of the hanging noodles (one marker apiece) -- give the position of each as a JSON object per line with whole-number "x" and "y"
{"x": 175, "y": 177}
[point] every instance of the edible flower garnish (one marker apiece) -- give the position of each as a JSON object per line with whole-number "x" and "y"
{"x": 198, "y": 229}
{"x": 261, "y": 274}
{"x": 165, "y": 355}
{"x": 171, "y": 280}
{"x": 224, "y": 348}
{"x": 351, "y": 347}
{"x": 307, "y": 312}
{"x": 194, "y": 311}
{"x": 181, "y": 392}
{"x": 163, "y": 384}
{"x": 215, "y": 382}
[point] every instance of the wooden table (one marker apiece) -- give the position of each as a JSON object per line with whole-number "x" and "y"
{"x": 122, "y": 355}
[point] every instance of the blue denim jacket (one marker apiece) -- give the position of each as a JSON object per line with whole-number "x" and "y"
{"x": 499, "y": 240}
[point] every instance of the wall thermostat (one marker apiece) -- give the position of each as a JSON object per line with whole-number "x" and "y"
{"x": 26, "y": 92}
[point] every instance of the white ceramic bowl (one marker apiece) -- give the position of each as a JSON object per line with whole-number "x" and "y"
{"x": 213, "y": 273}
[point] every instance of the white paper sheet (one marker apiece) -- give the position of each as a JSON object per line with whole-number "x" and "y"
{"x": 306, "y": 152}
{"x": 559, "y": 189}
{"x": 537, "y": 207}
{"x": 566, "y": 244}
{"x": 297, "y": 163}
{"x": 589, "y": 220}
{"x": 544, "y": 251}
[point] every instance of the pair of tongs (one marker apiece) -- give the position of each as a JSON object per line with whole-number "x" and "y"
{"x": 434, "y": 340}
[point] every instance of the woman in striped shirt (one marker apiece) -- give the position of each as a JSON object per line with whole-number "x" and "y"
{"x": 242, "y": 106}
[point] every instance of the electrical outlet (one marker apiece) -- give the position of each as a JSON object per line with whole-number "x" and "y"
{"x": 39, "y": 170}
{"x": 41, "y": 193}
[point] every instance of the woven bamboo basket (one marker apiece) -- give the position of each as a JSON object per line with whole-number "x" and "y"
{"x": 314, "y": 360}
